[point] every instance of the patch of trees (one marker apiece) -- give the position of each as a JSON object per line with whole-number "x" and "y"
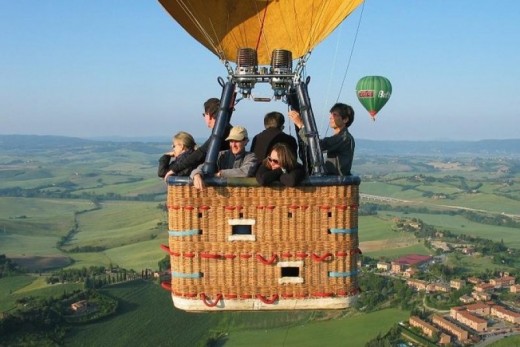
{"x": 92, "y": 277}
{"x": 44, "y": 321}
{"x": 381, "y": 291}
{"x": 391, "y": 338}
{"x": 8, "y": 267}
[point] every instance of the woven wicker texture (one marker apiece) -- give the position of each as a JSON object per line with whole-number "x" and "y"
{"x": 241, "y": 242}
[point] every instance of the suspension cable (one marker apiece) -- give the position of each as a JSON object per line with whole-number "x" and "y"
{"x": 351, "y": 50}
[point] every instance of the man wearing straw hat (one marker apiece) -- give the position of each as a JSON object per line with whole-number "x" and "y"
{"x": 234, "y": 162}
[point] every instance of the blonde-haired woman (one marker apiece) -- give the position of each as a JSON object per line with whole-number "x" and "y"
{"x": 280, "y": 165}
{"x": 182, "y": 145}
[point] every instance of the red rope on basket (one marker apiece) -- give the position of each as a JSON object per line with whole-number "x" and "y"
{"x": 173, "y": 207}
{"x": 341, "y": 254}
{"x": 325, "y": 207}
{"x": 189, "y": 208}
{"x": 207, "y": 302}
{"x": 265, "y": 261}
{"x": 229, "y": 208}
{"x": 230, "y": 256}
{"x": 270, "y": 207}
{"x": 245, "y": 256}
{"x": 166, "y": 285}
{"x": 286, "y": 255}
{"x": 316, "y": 257}
{"x": 165, "y": 248}
{"x": 301, "y": 255}
{"x": 323, "y": 295}
{"x": 267, "y": 301}
{"x": 246, "y": 296}
{"x": 210, "y": 256}
{"x": 189, "y": 254}
{"x": 204, "y": 208}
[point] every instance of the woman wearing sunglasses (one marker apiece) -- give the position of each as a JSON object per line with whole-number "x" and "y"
{"x": 280, "y": 165}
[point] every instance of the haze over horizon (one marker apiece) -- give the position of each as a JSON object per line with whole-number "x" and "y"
{"x": 101, "y": 69}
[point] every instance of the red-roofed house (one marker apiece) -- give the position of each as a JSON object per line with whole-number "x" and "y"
{"x": 407, "y": 261}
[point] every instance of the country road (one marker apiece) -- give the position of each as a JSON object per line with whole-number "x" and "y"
{"x": 370, "y": 197}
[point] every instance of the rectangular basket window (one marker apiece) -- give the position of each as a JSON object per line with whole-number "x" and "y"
{"x": 290, "y": 272}
{"x": 242, "y": 230}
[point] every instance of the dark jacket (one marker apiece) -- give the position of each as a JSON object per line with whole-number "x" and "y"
{"x": 165, "y": 165}
{"x": 266, "y": 176}
{"x": 340, "y": 151}
{"x": 198, "y": 156}
{"x": 263, "y": 142}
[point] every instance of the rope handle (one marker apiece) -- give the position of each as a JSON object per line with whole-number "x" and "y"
{"x": 166, "y": 285}
{"x": 210, "y": 256}
{"x": 165, "y": 248}
{"x": 316, "y": 257}
{"x": 323, "y": 295}
{"x": 267, "y": 301}
{"x": 265, "y": 261}
{"x": 206, "y": 301}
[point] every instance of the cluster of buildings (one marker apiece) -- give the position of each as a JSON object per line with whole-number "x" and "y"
{"x": 476, "y": 318}
{"x": 468, "y": 322}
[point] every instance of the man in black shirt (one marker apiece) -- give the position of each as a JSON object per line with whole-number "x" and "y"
{"x": 263, "y": 142}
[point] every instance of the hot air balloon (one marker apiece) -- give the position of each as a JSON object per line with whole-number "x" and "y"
{"x": 225, "y": 26}
{"x": 373, "y": 93}
{"x": 235, "y": 245}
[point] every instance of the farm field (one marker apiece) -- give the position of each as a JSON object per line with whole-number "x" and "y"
{"x": 348, "y": 331}
{"x": 17, "y": 287}
{"x": 461, "y": 225}
{"x": 146, "y": 310}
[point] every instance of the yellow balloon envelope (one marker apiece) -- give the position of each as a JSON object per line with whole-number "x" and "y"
{"x": 224, "y": 26}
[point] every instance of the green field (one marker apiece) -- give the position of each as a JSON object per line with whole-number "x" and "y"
{"x": 392, "y": 253}
{"x": 147, "y": 310}
{"x": 513, "y": 341}
{"x": 17, "y": 287}
{"x": 349, "y": 331}
{"x": 460, "y": 225}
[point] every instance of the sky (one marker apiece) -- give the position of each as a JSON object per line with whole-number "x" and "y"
{"x": 102, "y": 68}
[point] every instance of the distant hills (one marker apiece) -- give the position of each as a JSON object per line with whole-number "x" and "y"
{"x": 509, "y": 147}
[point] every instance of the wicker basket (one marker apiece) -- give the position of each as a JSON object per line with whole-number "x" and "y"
{"x": 238, "y": 246}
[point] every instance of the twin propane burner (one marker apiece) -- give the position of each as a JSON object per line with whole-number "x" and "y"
{"x": 279, "y": 73}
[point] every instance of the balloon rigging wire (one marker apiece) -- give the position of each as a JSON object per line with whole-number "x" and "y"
{"x": 262, "y": 22}
{"x": 351, "y": 50}
{"x": 350, "y": 56}
{"x": 184, "y": 5}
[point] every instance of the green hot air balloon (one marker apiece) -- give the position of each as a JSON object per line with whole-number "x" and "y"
{"x": 373, "y": 92}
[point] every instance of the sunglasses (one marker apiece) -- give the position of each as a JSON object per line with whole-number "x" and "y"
{"x": 275, "y": 161}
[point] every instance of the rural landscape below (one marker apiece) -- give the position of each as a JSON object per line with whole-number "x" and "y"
{"x": 83, "y": 224}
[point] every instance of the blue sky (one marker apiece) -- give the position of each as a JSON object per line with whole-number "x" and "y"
{"x": 125, "y": 68}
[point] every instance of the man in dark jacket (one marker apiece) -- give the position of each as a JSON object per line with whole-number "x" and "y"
{"x": 197, "y": 157}
{"x": 263, "y": 142}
